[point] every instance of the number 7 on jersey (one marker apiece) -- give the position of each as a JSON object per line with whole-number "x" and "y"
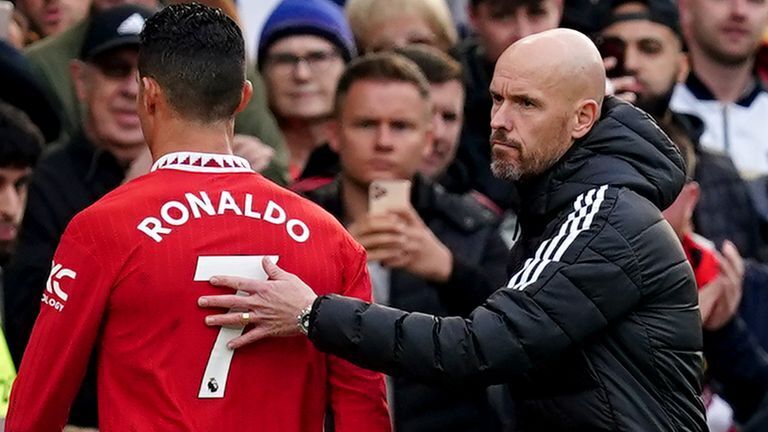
{"x": 247, "y": 266}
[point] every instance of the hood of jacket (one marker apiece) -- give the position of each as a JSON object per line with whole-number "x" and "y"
{"x": 624, "y": 149}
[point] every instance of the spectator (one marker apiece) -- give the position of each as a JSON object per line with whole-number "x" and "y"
{"x": 51, "y": 58}
{"x": 496, "y": 24}
{"x": 385, "y": 24}
{"x": 20, "y": 146}
{"x": 74, "y": 175}
{"x": 302, "y": 51}
{"x": 723, "y": 88}
{"x": 51, "y": 17}
{"x": 448, "y": 255}
{"x": 595, "y": 271}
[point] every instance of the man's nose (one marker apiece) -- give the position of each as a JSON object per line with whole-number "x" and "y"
{"x": 384, "y": 138}
{"x": 10, "y": 203}
{"x": 501, "y": 118}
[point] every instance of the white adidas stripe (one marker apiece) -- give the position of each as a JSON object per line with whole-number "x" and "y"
{"x": 580, "y": 219}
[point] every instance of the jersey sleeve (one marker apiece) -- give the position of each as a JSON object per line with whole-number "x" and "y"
{"x": 358, "y": 396}
{"x": 54, "y": 363}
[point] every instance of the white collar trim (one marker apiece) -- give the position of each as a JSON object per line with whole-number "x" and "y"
{"x": 202, "y": 162}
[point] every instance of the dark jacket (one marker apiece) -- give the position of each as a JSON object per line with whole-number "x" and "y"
{"x": 470, "y": 231}
{"x": 599, "y": 327}
{"x": 67, "y": 179}
{"x": 725, "y": 210}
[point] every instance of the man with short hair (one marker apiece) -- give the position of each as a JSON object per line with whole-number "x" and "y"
{"x": 723, "y": 88}
{"x": 598, "y": 327}
{"x": 496, "y": 25}
{"x": 159, "y": 238}
{"x": 424, "y": 252}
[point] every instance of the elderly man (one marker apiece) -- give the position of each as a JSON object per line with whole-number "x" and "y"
{"x": 598, "y": 328}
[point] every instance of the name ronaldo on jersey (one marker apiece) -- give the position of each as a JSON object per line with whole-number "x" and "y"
{"x": 176, "y": 213}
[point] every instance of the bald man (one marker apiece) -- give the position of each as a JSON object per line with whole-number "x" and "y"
{"x": 598, "y": 327}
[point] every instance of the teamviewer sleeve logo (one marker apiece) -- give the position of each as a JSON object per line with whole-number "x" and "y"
{"x": 54, "y": 296}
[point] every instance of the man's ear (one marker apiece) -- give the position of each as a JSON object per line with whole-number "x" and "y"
{"x": 78, "y": 71}
{"x": 149, "y": 95}
{"x": 245, "y": 96}
{"x": 586, "y": 114}
{"x": 692, "y": 192}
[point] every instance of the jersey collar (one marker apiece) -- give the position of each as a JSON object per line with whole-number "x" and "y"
{"x": 202, "y": 162}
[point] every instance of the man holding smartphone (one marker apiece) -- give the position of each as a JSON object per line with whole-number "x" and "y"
{"x": 428, "y": 250}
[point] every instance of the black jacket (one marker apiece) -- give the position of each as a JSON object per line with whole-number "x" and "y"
{"x": 599, "y": 327}
{"x": 471, "y": 233}
{"x": 68, "y": 178}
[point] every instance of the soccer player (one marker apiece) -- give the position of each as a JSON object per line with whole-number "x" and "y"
{"x": 129, "y": 269}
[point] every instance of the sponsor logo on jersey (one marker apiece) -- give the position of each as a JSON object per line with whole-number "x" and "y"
{"x": 54, "y": 296}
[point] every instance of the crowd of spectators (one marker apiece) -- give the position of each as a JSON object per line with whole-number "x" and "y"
{"x": 69, "y": 133}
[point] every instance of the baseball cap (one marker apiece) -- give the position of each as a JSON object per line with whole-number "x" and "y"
{"x": 662, "y": 12}
{"x": 321, "y": 18}
{"x": 114, "y": 28}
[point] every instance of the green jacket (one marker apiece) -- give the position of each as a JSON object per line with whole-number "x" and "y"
{"x": 50, "y": 57}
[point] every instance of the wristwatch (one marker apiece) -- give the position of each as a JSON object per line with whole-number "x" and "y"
{"x": 303, "y": 319}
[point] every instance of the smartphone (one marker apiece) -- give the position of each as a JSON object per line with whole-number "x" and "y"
{"x": 384, "y": 195}
{"x": 6, "y": 17}
{"x": 613, "y": 47}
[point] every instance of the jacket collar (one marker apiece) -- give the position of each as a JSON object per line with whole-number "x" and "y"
{"x": 702, "y": 92}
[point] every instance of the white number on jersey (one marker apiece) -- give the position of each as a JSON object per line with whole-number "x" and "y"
{"x": 247, "y": 266}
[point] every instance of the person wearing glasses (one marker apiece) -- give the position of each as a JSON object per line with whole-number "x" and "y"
{"x": 302, "y": 51}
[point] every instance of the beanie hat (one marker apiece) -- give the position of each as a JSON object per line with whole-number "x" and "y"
{"x": 321, "y": 18}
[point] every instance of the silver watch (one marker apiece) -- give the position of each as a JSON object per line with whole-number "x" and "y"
{"x": 303, "y": 319}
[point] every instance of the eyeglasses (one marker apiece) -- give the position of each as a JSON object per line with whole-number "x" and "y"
{"x": 286, "y": 63}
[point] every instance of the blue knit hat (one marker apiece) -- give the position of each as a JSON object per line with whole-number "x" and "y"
{"x": 321, "y": 18}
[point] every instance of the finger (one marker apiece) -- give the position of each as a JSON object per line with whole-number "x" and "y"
{"x": 609, "y": 63}
{"x": 235, "y": 282}
{"x": 625, "y": 84}
{"x": 381, "y": 241}
{"x": 382, "y": 255}
{"x": 731, "y": 252}
{"x": 627, "y": 96}
{"x": 274, "y": 272}
{"x": 226, "y": 301}
{"x": 232, "y": 320}
{"x": 252, "y": 335}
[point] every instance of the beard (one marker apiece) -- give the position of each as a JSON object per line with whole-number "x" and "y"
{"x": 655, "y": 104}
{"x": 531, "y": 163}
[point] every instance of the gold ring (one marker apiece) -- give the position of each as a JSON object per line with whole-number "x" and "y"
{"x": 245, "y": 318}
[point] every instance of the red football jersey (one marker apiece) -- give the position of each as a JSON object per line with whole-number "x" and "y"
{"x": 125, "y": 282}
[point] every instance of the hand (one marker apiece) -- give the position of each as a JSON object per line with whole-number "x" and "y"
{"x": 258, "y": 154}
{"x": 274, "y": 304}
{"x": 400, "y": 239}
{"x": 624, "y": 87}
{"x": 730, "y": 282}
